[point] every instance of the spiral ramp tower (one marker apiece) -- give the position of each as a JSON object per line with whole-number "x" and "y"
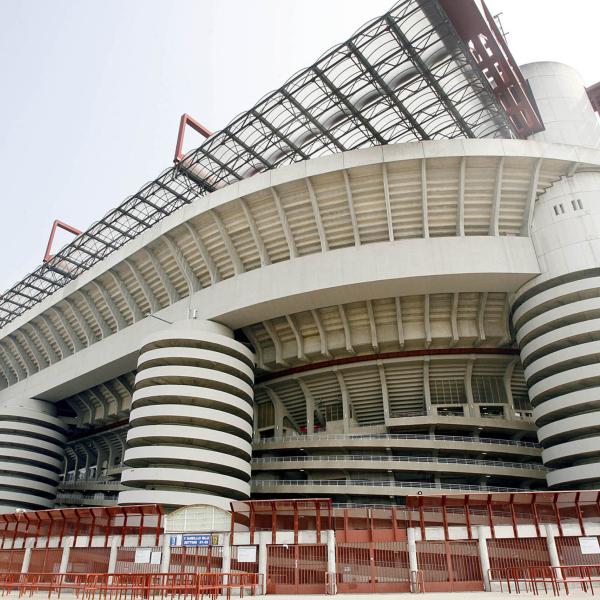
{"x": 191, "y": 419}
{"x": 31, "y": 455}
{"x": 556, "y": 316}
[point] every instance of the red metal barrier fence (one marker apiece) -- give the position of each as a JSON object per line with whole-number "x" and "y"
{"x": 129, "y": 586}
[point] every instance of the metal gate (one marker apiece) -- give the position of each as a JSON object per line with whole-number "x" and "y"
{"x": 196, "y": 559}
{"x": 450, "y": 566}
{"x": 88, "y": 560}
{"x": 126, "y": 561}
{"x": 296, "y": 569}
{"x": 238, "y": 566}
{"x": 569, "y": 552}
{"x": 11, "y": 561}
{"x": 45, "y": 560}
{"x": 518, "y": 552}
{"x": 372, "y": 567}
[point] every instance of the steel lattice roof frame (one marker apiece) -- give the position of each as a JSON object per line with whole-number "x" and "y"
{"x": 406, "y": 76}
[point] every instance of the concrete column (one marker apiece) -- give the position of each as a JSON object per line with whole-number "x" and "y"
{"x": 331, "y": 563}
{"x": 484, "y": 557}
{"x": 112, "y": 558}
{"x": 64, "y": 561}
{"x": 551, "y": 543}
{"x": 26, "y": 560}
{"x": 165, "y": 561}
{"x": 226, "y": 565}
{"x": 413, "y": 564}
{"x": 426, "y": 390}
{"x": 262, "y": 558}
{"x": 471, "y": 408}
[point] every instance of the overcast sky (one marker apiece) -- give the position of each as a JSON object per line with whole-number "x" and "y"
{"x": 92, "y": 90}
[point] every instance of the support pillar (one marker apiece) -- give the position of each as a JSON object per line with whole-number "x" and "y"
{"x": 226, "y": 556}
{"x": 484, "y": 557}
{"x": 262, "y": 558}
{"x": 551, "y": 543}
{"x": 218, "y": 390}
{"x": 26, "y": 560}
{"x": 64, "y": 561}
{"x": 112, "y": 558}
{"x": 413, "y": 564}
{"x": 331, "y": 563}
{"x": 165, "y": 560}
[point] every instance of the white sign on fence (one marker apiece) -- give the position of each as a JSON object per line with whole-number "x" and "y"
{"x": 589, "y": 545}
{"x": 142, "y": 555}
{"x": 155, "y": 557}
{"x": 246, "y": 554}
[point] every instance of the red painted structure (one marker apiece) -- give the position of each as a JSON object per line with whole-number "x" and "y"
{"x": 488, "y": 47}
{"x": 593, "y": 93}
{"x": 183, "y": 123}
{"x": 81, "y": 522}
{"x": 387, "y": 524}
{"x": 57, "y": 225}
{"x": 372, "y": 542}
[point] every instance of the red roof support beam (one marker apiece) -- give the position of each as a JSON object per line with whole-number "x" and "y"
{"x": 513, "y": 516}
{"x": 489, "y": 50}
{"x": 184, "y": 121}
{"x": 468, "y": 516}
{"x": 593, "y": 93}
{"x": 579, "y": 515}
{"x": 557, "y": 514}
{"x": 58, "y": 225}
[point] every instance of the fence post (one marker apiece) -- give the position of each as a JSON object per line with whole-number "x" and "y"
{"x": 484, "y": 557}
{"x": 226, "y": 559}
{"x": 64, "y": 561}
{"x": 112, "y": 558}
{"x": 262, "y": 558}
{"x": 331, "y": 562}
{"x": 165, "y": 561}
{"x": 413, "y": 563}
{"x": 551, "y": 543}
{"x": 27, "y": 555}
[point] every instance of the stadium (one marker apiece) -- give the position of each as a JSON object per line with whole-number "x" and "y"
{"x": 363, "y": 317}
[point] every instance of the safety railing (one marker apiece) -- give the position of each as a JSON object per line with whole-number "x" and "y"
{"x": 108, "y": 484}
{"x": 533, "y": 579}
{"x": 404, "y": 459}
{"x": 130, "y": 586}
{"x": 392, "y": 436}
{"x": 368, "y": 483}
{"x": 402, "y": 414}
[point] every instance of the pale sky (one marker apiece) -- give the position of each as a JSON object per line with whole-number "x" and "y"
{"x": 91, "y": 91}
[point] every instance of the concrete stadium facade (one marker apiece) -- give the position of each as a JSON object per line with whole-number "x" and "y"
{"x": 362, "y": 325}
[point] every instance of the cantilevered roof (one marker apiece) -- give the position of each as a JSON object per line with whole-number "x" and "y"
{"x": 405, "y": 76}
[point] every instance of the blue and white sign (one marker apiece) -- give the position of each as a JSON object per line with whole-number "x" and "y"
{"x": 196, "y": 539}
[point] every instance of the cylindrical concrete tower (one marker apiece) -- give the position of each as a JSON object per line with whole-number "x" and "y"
{"x": 191, "y": 418}
{"x": 557, "y": 315}
{"x": 31, "y": 454}
{"x": 563, "y": 102}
